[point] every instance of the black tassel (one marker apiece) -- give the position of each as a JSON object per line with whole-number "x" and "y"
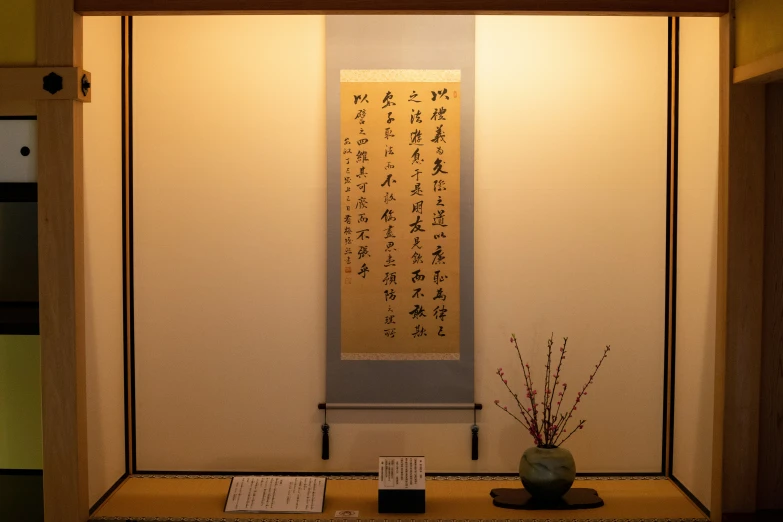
{"x": 474, "y": 449}
{"x": 325, "y": 442}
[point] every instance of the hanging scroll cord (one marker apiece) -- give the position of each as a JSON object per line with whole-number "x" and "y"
{"x": 474, "y": 430}
{"x": 325, "y": 438}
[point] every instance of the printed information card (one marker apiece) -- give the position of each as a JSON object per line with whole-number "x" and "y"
{"x": 272, "y": 494}
{"x": 401, "y": 473}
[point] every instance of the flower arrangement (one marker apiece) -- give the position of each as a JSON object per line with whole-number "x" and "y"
{"x": 547, "y": 425}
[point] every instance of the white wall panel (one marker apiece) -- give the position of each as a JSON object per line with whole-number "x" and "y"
{"x": 103, "y": 256}
{"x": 571, "y": 218}
{"x": 230, "y": 242}
{"x": 16, "y": 137}
{"x": 697, "y": 237}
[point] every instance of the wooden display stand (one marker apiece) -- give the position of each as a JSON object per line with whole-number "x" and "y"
{"x": 519, "y": 498}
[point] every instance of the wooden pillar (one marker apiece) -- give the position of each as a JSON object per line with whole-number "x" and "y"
{"x": 61, "y": 273}
{"x": 770, "y": 477}
{"x": 740, "y": 287}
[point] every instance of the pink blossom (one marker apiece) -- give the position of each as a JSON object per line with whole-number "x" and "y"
{"x": 511, "y": 340}
{"x": 505, "y": 408}
{"x": 505, "y": 381}
{"x": 497, "y": 401}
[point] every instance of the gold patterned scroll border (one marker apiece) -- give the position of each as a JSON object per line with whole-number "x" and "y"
{"x": 400, "y": 357}
{"x": 399, "y": 75}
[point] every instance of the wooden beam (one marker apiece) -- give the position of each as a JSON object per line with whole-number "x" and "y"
{"x": 740, "y": 288}
{"x": 17, "y": 108}
{"x": 628, "y": 7}
{"x": 61, "y": 273}
{"x": 766, "y": 70}
{"x": 45, "y": 83}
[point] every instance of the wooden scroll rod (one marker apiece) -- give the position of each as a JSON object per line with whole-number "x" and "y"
{"x": 474, "y": 429}
{"x": 45, "y": 83}
{"x": 392, "y": 406}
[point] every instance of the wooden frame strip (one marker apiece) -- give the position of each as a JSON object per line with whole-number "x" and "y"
{"x": 127, "y": 242}
{"x": 670, "y": 319}
{"x": 766, "y": 70}
{"x": 625, "y": 7}
{"x": 45, "y": 83}
{"x": 61, "y": 227}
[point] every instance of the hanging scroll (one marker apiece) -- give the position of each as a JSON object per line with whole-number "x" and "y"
{"x": 400, "y": 241}
{"x": 400, "y": 96}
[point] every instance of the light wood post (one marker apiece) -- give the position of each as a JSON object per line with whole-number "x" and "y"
{"x": 740, "y": 287}
{"x": 61, "y": 273}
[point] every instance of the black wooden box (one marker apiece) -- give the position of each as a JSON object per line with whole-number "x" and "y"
{"x": 401, "y": 501}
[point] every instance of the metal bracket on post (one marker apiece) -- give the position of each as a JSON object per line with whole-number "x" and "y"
{"x": 85, "y": 84}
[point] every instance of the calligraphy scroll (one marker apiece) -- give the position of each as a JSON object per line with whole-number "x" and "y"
{"x": 400, "y": 193}
{"x": 400, "y": 102}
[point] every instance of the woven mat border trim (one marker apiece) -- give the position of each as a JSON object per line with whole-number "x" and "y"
{"x": 429, "y": 477}
{"x": 190, "y": 519}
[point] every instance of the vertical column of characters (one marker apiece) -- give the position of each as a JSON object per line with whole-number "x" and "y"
{"x": 416, "y": 204}
{"x": 440, "y": 118}
{"x": 388, "y": 218}
{"x": 360, "y": 205}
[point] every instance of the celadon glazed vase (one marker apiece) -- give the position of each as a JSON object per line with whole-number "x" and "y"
{"x": 547, "y": 473}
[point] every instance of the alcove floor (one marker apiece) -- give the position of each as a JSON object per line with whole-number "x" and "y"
{"x": 199, "y": 498}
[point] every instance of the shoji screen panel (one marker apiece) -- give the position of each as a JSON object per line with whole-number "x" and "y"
{"x": 571, "y": 220}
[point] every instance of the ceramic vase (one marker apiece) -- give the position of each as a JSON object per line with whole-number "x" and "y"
{"x": 547, "y": 473}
